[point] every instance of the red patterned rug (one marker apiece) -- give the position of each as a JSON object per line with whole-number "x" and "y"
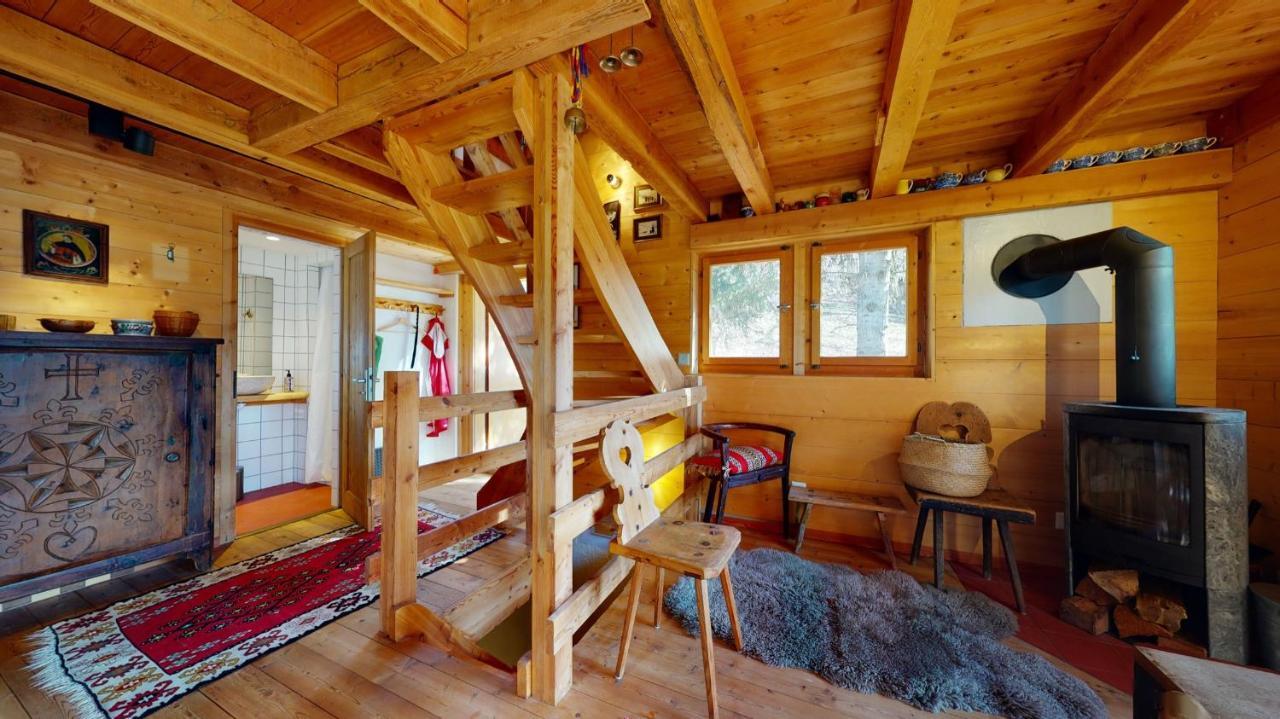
{"x": 135, "y": 656}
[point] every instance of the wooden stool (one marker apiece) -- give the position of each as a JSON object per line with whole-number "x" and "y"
{"x": 806, "y": 497}
{"x": 993, "y": 505}
{"x": 697, "y": 550}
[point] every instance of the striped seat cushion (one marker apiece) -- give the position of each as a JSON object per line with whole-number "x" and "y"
{"x": 743, "y": 458}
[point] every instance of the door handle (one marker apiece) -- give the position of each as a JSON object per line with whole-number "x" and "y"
{"x": 368, "y": 380}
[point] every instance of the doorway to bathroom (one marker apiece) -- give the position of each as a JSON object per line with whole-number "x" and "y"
{"x": 288, "y": 398}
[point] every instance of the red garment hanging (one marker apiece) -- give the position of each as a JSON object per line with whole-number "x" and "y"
{"x": 436, "y": 340}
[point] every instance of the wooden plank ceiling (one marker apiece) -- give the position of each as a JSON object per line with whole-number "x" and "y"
{"x": 811, "y": 101}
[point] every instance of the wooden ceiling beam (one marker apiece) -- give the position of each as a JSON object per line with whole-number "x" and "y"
{"x": 429, "y": 24}
{"x": 45, "y": 54}
{"x": 695, "y": 30}
{"x": 361, "y": 147}
{"x": 501, "y": 192}
{"x": 1151, "y": 32}
{"x": 472, "y": 116}
{"x": 268, "y": 191}
{"x": 920, "y": 33}
{"x": 1253, "y": 112}
{"x": 228, "y": 35}
{"x": 511, "y": 35}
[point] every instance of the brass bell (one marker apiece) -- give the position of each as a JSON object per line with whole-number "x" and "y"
{"x": 631, "y": 56}
{"x": 610, "y": 63}
{"x": 576, "y": 120}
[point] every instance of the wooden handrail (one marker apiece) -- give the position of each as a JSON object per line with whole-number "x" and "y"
{"x": 437, "y": 473}
{"x": 580, "y": 605}
{"x": 578, "y": 424}
{"x": 509, "y": 510}
{"x": 456, "y": 405}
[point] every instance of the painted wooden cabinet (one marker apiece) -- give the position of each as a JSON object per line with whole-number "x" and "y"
{"x": 106, "y": 455}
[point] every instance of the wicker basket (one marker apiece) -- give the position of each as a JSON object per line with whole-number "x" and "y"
{"x": 933, "y": 464}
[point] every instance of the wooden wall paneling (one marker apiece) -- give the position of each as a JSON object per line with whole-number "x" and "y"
{"x": 1249, "y": 310}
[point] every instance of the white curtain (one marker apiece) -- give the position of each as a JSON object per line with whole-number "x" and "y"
{"x": 322, "y": 404}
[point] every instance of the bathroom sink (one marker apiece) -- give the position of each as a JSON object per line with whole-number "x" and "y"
{"x": 254, "y": 384}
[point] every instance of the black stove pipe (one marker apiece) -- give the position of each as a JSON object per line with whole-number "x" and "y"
{"x": 1146, "y": 371}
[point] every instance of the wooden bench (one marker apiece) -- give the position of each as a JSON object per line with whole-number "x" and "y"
{"x": 1172, "y": 685}
{"x": 806, "y": 497}
{"x": 993, "y": 505}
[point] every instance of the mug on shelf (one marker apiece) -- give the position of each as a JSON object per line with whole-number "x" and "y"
{"x": 974, "y": 178}
{"x": 904, "y": 186}
{"x": 947, "y": 179}
{"x": 1196, "y": 144}
{"x": 1138, "y": 152}
{"x": 1058, "y": 165}
{"x": 1083, "y": 161}
{"x": 1110, "y": 157}
{"x": 1165, "y": 148}
{"x": 999, "y": 174}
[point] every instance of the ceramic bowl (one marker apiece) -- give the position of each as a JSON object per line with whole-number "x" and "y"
{"x": 53, "y": 324}
{"x": 171, "y": 323}
{"x": 131, "y": 327}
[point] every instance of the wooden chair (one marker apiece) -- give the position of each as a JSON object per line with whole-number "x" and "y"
{"x": 697, "y": 550}
{"x": 731, "y": 465}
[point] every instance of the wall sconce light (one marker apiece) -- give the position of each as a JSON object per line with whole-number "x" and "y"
{"x": 614, "y": 181}
{"x": 109, "y": 123}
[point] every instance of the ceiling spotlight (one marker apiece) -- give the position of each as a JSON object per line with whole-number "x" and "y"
{"x": 273, "y": 238}
{"x": 614, "y": 181}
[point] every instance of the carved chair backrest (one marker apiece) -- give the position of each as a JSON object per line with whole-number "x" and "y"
{"x": 622, "y": 454}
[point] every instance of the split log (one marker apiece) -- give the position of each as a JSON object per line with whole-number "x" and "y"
{"x": 1085, "y": 614}
{"x": 1129, "y": 624}
{"x": 1121, "y": 584}
{"x": 1181, "y": 646}
{"x": 1160, "y": 609}
{"x": 1090, "y": 590}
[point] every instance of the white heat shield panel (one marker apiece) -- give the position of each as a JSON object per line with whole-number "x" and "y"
{"x": 1088, "y": 297}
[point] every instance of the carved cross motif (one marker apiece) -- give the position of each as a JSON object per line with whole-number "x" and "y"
{"x": 72, "y": 371}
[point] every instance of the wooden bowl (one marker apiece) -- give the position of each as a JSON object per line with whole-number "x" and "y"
{"x": 173, "y": 323}
{"x": 54, "y": 324}
{"x": 8, "y": 322}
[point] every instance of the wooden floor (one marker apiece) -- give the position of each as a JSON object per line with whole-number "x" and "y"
{"x": 346, "y": 670}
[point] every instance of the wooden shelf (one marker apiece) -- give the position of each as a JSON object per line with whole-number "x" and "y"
{"x": 414, "y": 286}
{"x": 274, "y": 398}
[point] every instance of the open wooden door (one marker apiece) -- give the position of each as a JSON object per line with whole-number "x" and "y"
{"x": 357, "y": 378}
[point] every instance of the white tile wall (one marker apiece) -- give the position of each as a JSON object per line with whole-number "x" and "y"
{"x": 272, "y": 438}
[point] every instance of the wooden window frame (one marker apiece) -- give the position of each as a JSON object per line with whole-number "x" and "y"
{"x": 908, "y": 366}
{"x": 782, "y": 364}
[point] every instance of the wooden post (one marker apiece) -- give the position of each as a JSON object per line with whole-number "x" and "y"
{"x": 399, "y": 498}
{"x": 551, "y": 466}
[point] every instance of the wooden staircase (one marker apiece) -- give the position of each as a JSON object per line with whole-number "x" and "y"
{"x": 506, "y": 217}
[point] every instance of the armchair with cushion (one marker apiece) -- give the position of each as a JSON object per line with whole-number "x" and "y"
{"x": 737, "y": 465}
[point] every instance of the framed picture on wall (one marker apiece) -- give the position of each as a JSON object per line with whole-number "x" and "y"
{"x": 613, "y": 211}
{"x": 64, "y": 248}
{"x": 646, "y": 197}
{"x": 577, "y": 317}
{"x": 647, "y": 228}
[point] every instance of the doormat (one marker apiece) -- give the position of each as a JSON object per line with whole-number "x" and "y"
{"x": 137, "y": 655}
{"x": 888, "y": 634}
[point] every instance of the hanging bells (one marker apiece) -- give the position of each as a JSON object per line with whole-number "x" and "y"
{"x": 631, "y": 56}
{"x": 576, "y": 120}
{"x": 610, "y": 63}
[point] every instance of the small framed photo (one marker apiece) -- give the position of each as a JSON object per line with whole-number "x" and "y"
{"x": 613, "y": 212}
{"x": 577, "y": 275}
{"x": 64, "y": 248}
{"x": 577, "y": 317}
{"x": 647, "y": 228}
{"x": 646, "y": 197}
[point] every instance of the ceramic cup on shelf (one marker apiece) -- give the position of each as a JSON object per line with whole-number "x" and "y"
{"x": 904, "y": 186}
{"x": 849, "y": 196}
{"x": 922, "y": 184}
{"x": 864, "y": 194}
{"x": 947, "y": 179}
{"x": 1165, "y": 148}
{"x": 1110, "y": 157}
{"x": 974, "y": 178}
{"x": 1137, "y": 152}
{"x": 1196, "y": 144}
{"x": 1058, "y": 165}
{"x": 1083, "y": 161}
{"x": 1001, "y": 173}
{"x": 822, "y": 199}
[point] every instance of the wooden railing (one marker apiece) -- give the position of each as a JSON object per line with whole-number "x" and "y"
{"x": 395, "y": 565}
{"x": 579, "y": 515}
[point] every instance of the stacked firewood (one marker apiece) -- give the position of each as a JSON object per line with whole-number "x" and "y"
{"x": 1112, "y": 598}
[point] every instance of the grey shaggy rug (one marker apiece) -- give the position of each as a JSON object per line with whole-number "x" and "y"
{"x": 889, "y": 634}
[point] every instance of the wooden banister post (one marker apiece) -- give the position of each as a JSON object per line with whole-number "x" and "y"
{"x": 399, "y": 498}
{"x": 693, "y": 425}
{"x": 551, "y": 464}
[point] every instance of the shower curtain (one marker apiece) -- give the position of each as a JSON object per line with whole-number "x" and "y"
{"x": 321, "y": 459}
